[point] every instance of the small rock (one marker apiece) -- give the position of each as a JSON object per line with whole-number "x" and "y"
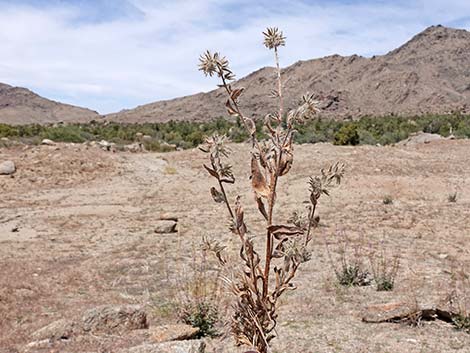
{"x": 47, "y": 142}
{"x": 193, "y": 346}
{"x": 111, "y": 319}
{"x": 7, "y": 168}
{"x": 60, "y": 329}
{"x": 165, "y": 226}
{"x": 178, "y": 332}
{"x": 134, "y": 147}
{"x": 38, "y": 345}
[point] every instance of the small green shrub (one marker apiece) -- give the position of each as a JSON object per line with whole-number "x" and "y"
{"x": 462, "y": 322}
{"x": 347, "y": 135}
{"x": 201, "y": 315}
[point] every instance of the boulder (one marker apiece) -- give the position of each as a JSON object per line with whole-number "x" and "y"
{"x": 7, "y": 168}
{"x": 114, "y": 319}
{"x": 60, "y": 329}
{"x": 47, "y": 142}
{"x": 193, "y": 346}
{"x": 165, "y": 226}
{"x": 179, "y": 332}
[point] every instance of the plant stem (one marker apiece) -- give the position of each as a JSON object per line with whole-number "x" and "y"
{"x": 225, "y": 198}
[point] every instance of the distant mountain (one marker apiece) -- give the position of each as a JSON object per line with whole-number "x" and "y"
{"x": 428, "y": 74}
{"x": 21, "y": 106}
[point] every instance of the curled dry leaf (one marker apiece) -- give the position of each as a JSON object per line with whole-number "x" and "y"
{"x": 258, "y": 180}
{"x": 261, "y": 207}
{"x": 230, "y": 109}
{"x": 280, "y": 231}
{"x": 236, "y": 93}
{"x": 251, "y": 126}
{"x": 212, "y": 171}
{"x": 217, "y": 195}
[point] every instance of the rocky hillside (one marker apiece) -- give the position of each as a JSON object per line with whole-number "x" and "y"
{"x": 21, "y": 106}
{"x": 428, "y": 74}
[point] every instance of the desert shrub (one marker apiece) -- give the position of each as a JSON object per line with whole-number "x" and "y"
{"x": 258, "y": 279}
{"x": 198, "y": 295}
{"x": 347, "y": 135}
{"x": 452, "y": 197}
{"x": 348, "y": 265}
{"x": 459, "y": 297}
{"x": 203, "y": 315}
{"x": 184, "y": 134}
{"x": 384, "y": 268}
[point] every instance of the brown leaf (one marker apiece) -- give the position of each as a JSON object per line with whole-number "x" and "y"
{"x": 217, "y": 195}
{"x": 258, "y": 181}
{"x": 211, "y": 171}
{"x": 261, "y": 207}
{"x": 236, "y": 93}
{"x": 251, "y": 126}
{"x": 230, "y": 108}
{"x": 282, "y": 231}
{"x": 287, "y": 159}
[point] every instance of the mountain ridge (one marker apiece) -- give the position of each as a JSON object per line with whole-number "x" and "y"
{"x": 427, "y": 74}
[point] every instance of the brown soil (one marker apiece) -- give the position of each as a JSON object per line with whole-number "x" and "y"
{"x": 77, "y": 231}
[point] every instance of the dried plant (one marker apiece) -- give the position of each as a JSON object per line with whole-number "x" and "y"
{"x": 459, "y": 297}
{"x": 259, "y": 282}
{"x": 384, "y": 269}
{"x": 348, "y": 265}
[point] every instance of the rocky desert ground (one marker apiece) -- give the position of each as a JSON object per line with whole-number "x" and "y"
{"x": 78, "y": 231}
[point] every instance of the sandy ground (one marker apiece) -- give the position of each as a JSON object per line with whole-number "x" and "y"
{"x": 77, "y": 231}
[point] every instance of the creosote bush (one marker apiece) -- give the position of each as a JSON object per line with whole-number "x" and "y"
{"x": 259, "y": 278}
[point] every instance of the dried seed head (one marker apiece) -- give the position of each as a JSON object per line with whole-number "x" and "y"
{"x": 273, "y": 38}
{"x": 212, "y": 64}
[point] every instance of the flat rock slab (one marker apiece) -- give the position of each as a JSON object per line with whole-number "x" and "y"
{"x": 401, "y": 311}
{"x": 193, "y": 346}
{"x": 165, "y": 226}
{"x": 57, "y": 330}
{"x": 114, "y": 319}
{"x": 173, "y": 333}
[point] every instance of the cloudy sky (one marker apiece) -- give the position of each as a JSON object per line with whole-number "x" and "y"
{"x": 114, "y": 54}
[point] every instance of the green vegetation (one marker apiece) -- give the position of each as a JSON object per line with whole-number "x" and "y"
{"x": 364, "y": 131}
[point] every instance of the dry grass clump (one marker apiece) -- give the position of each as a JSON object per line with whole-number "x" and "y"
{"x": 349, "y": 265}
{"x": 384, "y": 268}
{"x": 459, "y": 298}
{"x": 259, "y": 279}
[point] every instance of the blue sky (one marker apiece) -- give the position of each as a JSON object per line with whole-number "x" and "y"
{"x": 114, "y": 54}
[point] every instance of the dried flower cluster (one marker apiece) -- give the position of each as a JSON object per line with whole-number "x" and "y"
{"x": 261, "y": 280}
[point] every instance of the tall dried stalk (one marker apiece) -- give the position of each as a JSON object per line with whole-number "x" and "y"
{"x": 254, "y": 317}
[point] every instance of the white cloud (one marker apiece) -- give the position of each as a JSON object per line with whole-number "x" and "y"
{"x": 125, "y": 61}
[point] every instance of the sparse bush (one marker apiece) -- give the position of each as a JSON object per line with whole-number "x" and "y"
{"x": 384, "y": 269}
{"x": 203, "y": 315}
{"x": 452, "y": 197}
{"x": 256, "y": 290}
{"x": 198, "y": 296}
{"x": 349, "y": 266}
{"x": 459, "y": 298}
